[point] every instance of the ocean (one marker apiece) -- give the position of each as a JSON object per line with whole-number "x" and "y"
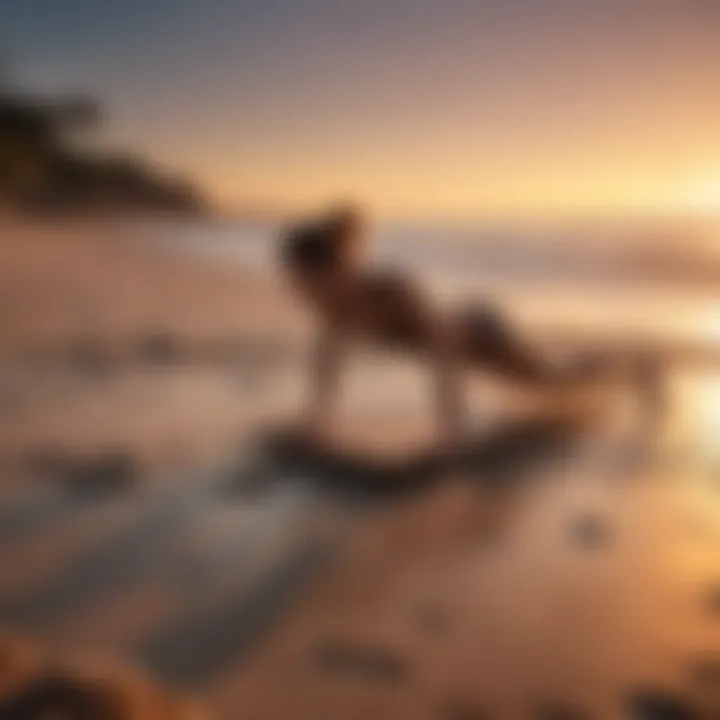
{"x": 604, "y": 281}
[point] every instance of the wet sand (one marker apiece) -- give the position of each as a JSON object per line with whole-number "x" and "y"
{"x": 155, "y": 512}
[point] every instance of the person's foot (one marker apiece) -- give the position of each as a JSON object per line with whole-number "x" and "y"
{"x": 316, "y": 428}
{"x": 452, "y": 441}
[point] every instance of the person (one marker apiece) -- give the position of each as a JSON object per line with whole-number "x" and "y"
{"x": 324, "y": 260}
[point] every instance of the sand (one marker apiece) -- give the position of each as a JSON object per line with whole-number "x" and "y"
{"x": 155, "y": 513}
{"x": 152, "y": 353}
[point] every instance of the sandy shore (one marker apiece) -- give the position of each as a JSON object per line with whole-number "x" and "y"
{"x": 115, "y": 344}
{"x": 109, "y": 343}
{"x": 565, "y": 572}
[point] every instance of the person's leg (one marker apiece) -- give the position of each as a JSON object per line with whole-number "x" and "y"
{"x": 448, "y": 375}
{"x": 326, "y": 369}
{"x": 492, "y": 343}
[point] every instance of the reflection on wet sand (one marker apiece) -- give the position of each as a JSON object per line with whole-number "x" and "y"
{"x": 156, "y": 513}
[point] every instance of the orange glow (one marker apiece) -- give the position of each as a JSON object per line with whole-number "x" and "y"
{"x": 472, "y": 112}
{"x": 704, "y": 196}
{"x": 477, "y": 192}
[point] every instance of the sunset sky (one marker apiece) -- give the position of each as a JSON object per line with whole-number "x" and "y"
{"x": 418, "y": 107}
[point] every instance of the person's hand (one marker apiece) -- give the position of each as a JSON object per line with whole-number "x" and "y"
{"x": 316, "y": 426}
{"x": 452, "y": 436}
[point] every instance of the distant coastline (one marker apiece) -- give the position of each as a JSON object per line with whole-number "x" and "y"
{"x": 47, "y": 166}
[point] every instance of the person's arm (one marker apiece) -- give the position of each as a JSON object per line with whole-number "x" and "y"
{"x": 416, "y": 322}
{"x": 448, "y": 375}
{"x": 326, "y": 367}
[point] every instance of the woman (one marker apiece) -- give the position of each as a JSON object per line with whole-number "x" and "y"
{"x": 324, "y": 261}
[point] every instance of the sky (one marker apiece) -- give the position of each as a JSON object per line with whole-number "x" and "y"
{"x": 461, "y": 108}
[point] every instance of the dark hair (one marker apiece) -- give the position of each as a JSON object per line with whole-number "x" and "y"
{"x": 60, "y": 695}
{"x": 343, "y": 216}
{"x": 310, "y": 248}
{"x": 316, "y": 246}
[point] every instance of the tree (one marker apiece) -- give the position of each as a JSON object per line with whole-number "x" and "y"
{"x": 42, "y": 164}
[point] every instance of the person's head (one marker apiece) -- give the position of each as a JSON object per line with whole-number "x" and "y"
{"x": 327, "y": 250}
{"x": 347, "y": 226}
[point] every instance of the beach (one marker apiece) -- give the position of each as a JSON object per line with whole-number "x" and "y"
{"x": 154, "y": 512}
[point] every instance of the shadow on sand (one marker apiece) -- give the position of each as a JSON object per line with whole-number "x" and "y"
{"x": 503, "y": 457}
{"x": 202, "y": 643}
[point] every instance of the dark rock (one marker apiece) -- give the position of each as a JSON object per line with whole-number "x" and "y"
{"x": 363, "y": 661}
{"x": 460, "y": 710}
{"x": 659, "y": 705}
{"x": 553, "y": 711}
{"x": 712, "y": 600}
{"x": 589, "y": 531}
{"x": 110, "y": 471}
{"x": 249, "y": 484}
{"x": 433, "y": 619}
{"x": 159, "y": 348}
{"x": 44, "y": 462}
{"x": 62, "y": 698}
{"x": 88, "y": 356}
{"x": 705, "y": 674}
